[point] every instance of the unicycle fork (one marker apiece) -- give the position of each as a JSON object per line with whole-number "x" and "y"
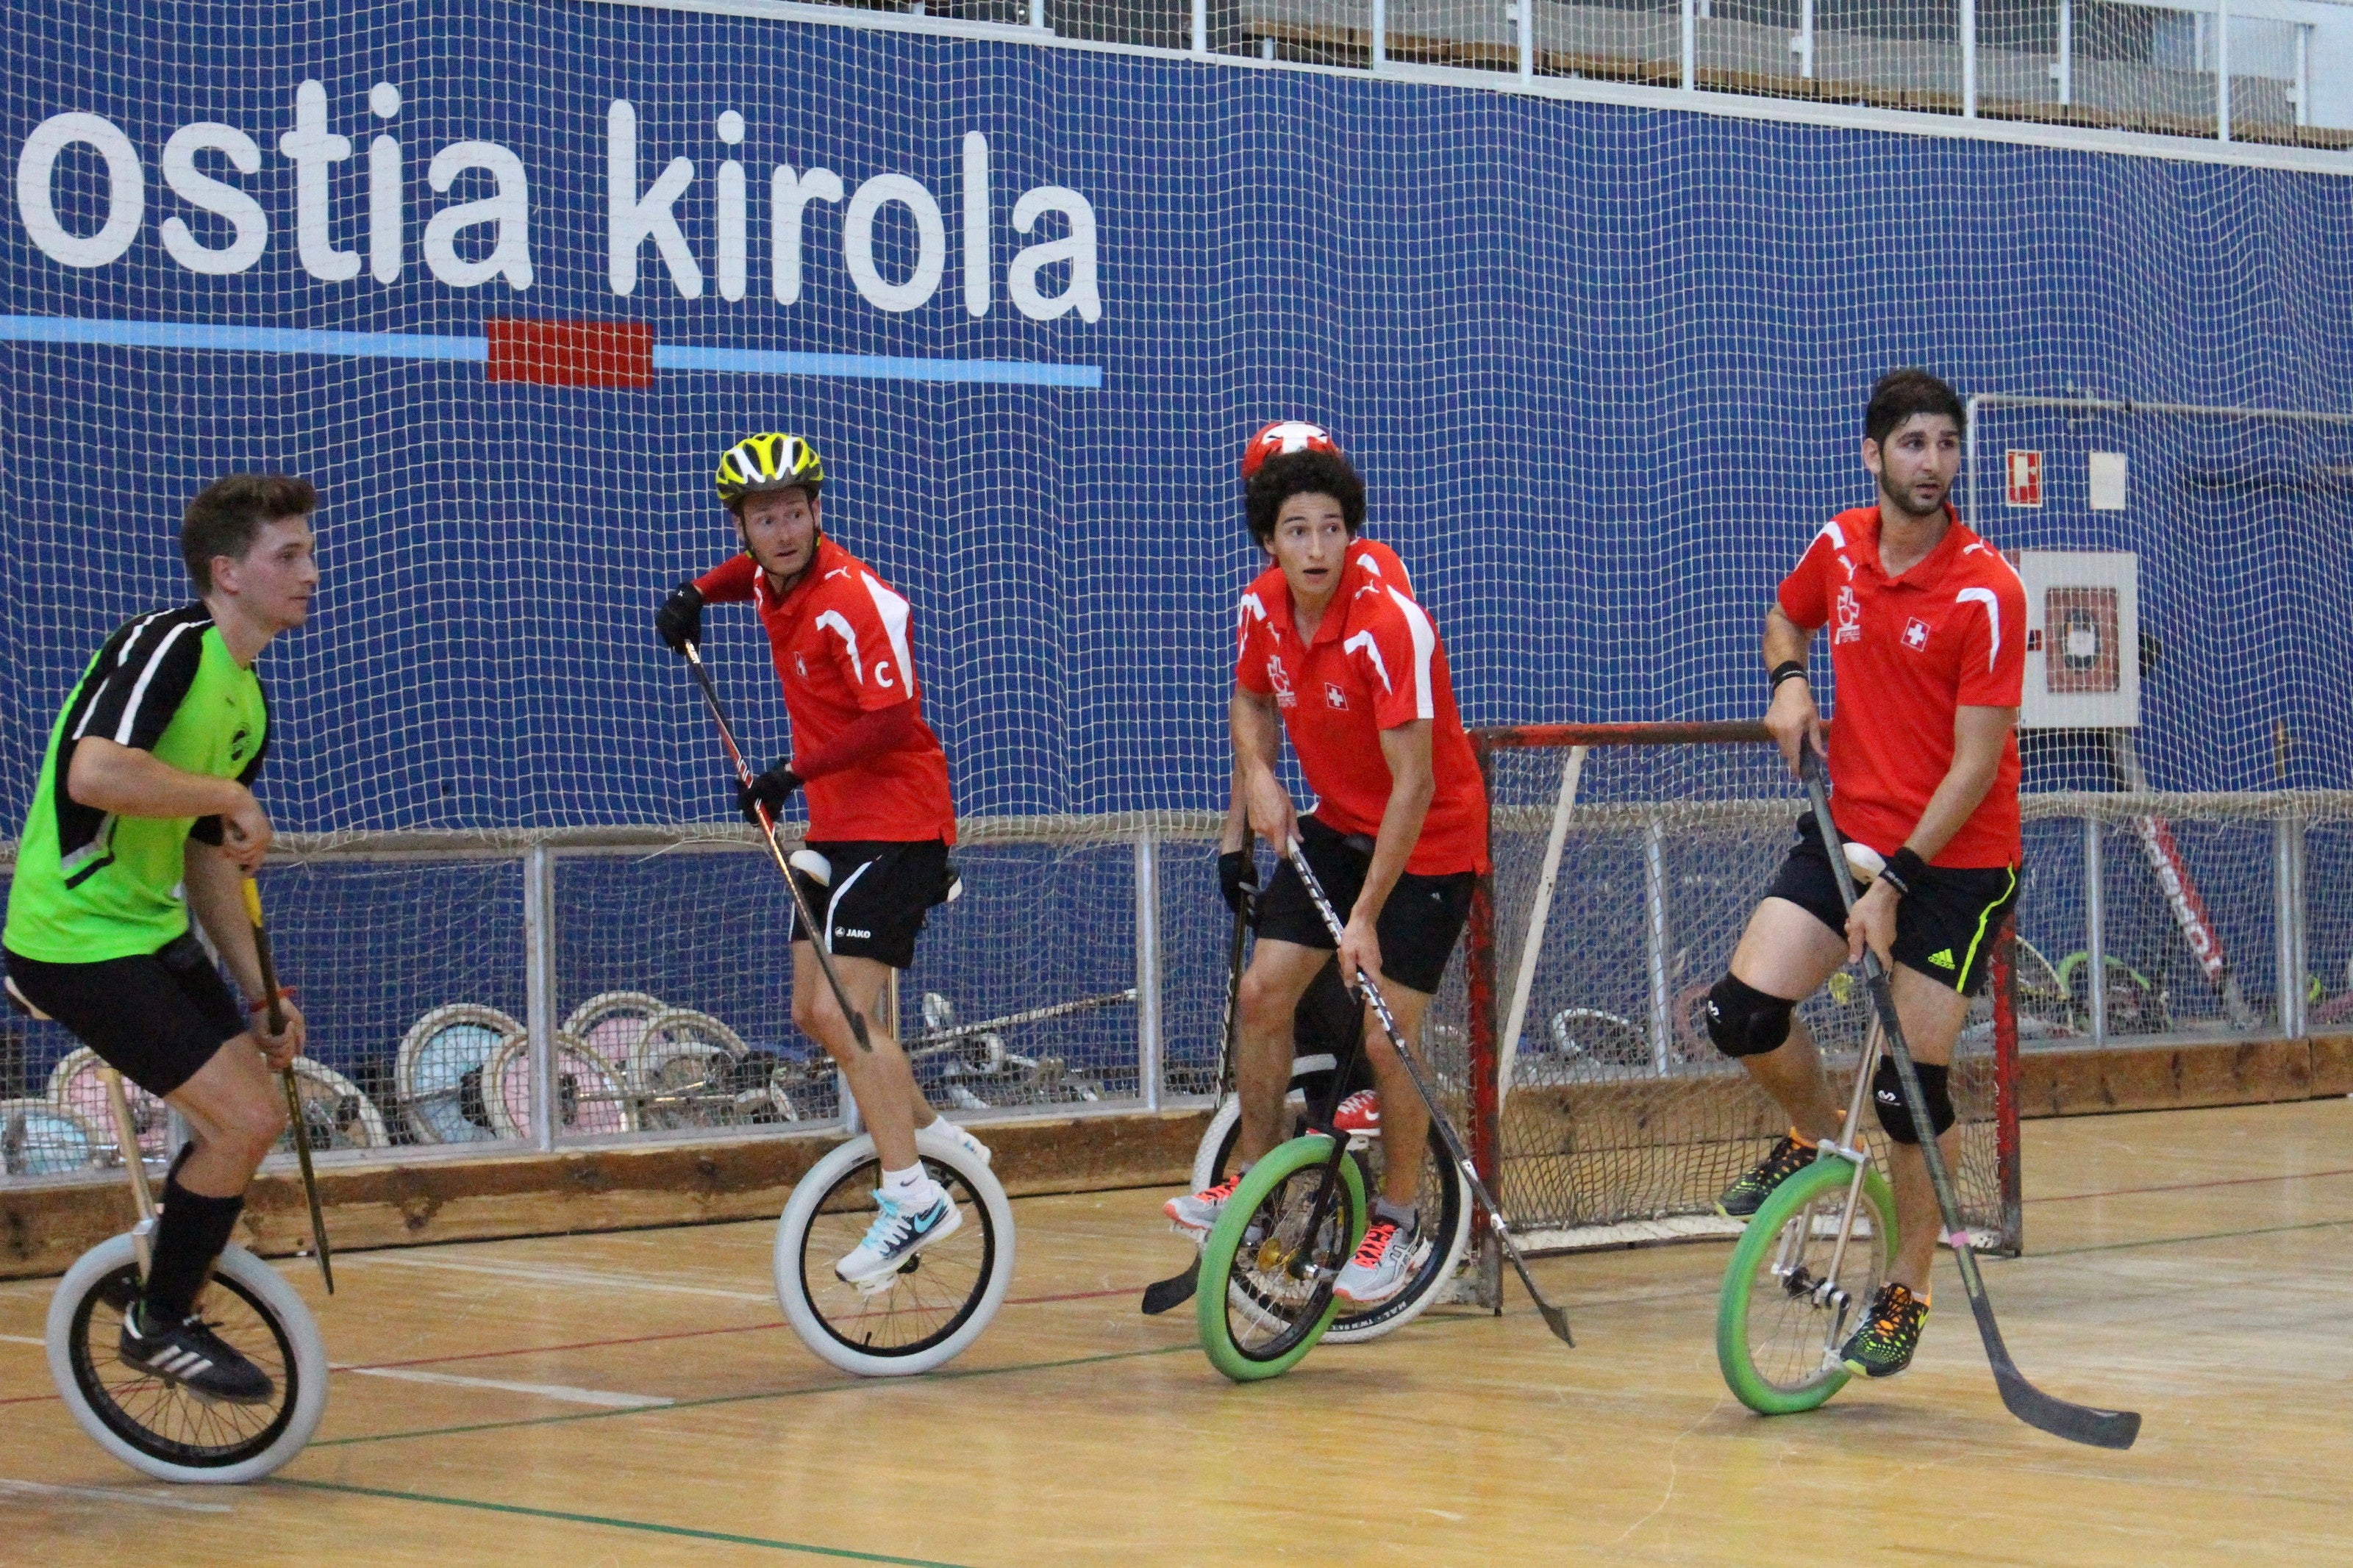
{"x": 1833, "y": 1298}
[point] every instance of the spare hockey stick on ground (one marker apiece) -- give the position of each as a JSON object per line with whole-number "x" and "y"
{"x": 768, "y": 831}
{"x": 2076, "y": 1423}
{"x": 1555, "y": 1318}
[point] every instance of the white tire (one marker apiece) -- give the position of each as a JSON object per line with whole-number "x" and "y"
{"x": 921, "y": 1326}
{"x": 82, "y": 1297}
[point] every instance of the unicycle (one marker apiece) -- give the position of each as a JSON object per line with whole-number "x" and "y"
{"x": 939, "y": 1300}
{"x": 156, "y": 1426}
{"x": 1805, "y": 1270}
{"x": 1318, "y": 1082}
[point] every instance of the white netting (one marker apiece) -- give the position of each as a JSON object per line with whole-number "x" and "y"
{"x": 1618, "y": 1119}
{"x": 1602, "y": 365}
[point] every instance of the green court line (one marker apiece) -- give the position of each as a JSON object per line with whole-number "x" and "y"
{"x": 2178, "y": 1240}
{"x": 645, "y": 1526}
{"x": 948, "y": 1376}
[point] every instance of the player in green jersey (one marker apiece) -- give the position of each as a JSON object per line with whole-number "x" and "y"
{"x": 141, "y": 817}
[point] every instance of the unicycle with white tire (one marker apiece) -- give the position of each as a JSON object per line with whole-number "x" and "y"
{"x": 935, "y": 1305}
{"x": 155, "y": 1425}
{"x": 1805, "y": 1270}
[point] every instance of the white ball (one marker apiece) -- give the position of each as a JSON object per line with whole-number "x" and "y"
{"x": 1865, "y": 862}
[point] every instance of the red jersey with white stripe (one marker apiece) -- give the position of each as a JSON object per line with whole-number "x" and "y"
{"x": 1370, "y": 561}
{"x": 842, "y": 645}
{"x": 1376, "y": 662}
{"x": 1905, "y": 652}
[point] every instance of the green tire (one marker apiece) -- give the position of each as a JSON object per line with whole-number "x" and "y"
{"x": 1794, "y": 1375}
{"x": 1298, "y": 1335}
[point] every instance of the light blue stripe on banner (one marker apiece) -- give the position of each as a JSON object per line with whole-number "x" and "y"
{"x": 874, "y": 367}
{"x": 249, "y": 339}
{"x": 419, "y": 346}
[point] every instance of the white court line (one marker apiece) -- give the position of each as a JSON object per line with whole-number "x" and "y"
{"x": 113, "y": 1494}
{"x": 583, "y": 1276}
{"x": 22, "y": 1340}
{"x": 564, "y": 1392}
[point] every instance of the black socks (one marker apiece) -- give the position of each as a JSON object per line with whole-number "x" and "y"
{"x": 188, "y": 1239}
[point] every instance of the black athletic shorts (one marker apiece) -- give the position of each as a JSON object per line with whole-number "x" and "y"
{"x": 155, "y": 1018}
{"x": 1944, "y": 928}
{"x": 1418, "y": 925}
{"x": 877, "y": 897}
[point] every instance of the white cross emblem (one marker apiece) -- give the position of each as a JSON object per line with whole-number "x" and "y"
{"x": 1915, "y": 634}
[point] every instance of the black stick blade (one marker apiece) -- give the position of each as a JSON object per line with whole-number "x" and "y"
{"x": 2076, "y": 1423}
{"x": 1558, "y": 1321}
{"x": 1167, "y": 1295}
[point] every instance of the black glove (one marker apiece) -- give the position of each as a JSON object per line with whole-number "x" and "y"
{"x": 771, "y": 789}
{"x": 680, "y": 620}
{"x": 1237, "y": 879}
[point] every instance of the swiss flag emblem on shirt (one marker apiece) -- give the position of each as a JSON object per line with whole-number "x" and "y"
{"x": 1915, "y": 634}
{"x": 1334, "y": 696}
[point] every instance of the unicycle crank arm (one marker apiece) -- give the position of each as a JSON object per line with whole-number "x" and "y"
{"x": 2061, "y": 1418}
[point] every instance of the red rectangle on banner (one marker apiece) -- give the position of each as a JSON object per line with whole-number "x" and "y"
{"x": 2024, "y": 470}
{"x": 570, "y": 353}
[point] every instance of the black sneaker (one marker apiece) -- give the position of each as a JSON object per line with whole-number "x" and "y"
{"x": 190, "y": 1354}
{"x": 1748, "y": 1195}
{"x": 1883, "y": 1345}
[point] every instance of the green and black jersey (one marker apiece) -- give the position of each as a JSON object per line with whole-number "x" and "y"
{"x": 90, "y": 884}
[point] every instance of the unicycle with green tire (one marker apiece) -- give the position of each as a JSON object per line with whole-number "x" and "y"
{"x": 1270, "y": 1261}
{"x": 1805, "y": 1270}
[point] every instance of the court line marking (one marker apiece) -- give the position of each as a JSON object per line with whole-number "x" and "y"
{"x": 607, "y": 1522}
{"x": 558, "y": 1391}
{"x": 23, "y": 1340}
{"x": 2190, "y": 1187}
{"x": 540, "y": 1274}
{"x": 2182, "y": 1240}
{"x": 843, "y": 1386}
{"x": 112, "y": 1494}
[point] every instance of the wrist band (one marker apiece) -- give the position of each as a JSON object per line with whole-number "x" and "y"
{"x": 1785, "y": 670}
{"x": 1902, "y": 866}
{"x": 258, "y": 1008}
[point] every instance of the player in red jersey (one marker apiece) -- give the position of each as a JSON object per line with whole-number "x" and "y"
{"x": 1367, "y": 561}
{"x": 1927, "y": 627}
{"x": 1355, "y": 674}
{"x": 877, "y": 786}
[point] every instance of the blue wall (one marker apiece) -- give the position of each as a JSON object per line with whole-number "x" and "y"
{"x": 1603, "y": 367}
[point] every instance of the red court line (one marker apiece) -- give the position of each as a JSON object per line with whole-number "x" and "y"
{"x": 2190, "y": 1187}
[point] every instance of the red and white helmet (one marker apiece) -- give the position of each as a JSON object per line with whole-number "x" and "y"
{"x": 1283, "y": 437}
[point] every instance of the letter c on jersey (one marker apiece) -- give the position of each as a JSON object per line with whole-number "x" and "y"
{"x": 882, "y": 673}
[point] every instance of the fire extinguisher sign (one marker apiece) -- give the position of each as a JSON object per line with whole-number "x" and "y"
{"x": 2025, "y": 471}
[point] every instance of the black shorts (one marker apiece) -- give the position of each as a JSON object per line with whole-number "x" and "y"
{"x": 877, "y": 897}
{"x": 1418, "y": 925}
{"x": 1944, "y": 928}
{"x": 156, "y": 1018}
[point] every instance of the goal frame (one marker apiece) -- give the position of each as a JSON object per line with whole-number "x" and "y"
{"x": 1488, "y": 989}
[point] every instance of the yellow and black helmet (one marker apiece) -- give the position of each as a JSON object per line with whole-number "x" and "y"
{"x": 769, "y": 462}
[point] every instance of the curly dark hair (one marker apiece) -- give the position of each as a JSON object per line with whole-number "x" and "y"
{"x": 1289, "y": 474}
{"x": 1906, "y": 391}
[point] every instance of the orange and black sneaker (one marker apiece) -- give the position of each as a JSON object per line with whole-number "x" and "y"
{"x": 1883, "y": 1345}
{"x": 1790, "y": 1155}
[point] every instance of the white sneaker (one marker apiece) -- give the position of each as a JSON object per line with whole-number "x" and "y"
{"x": 1383, "y": 1263}
{"x": 903, "y": 1228}
{"x": 1195, "y": 1214}
{"x": 963, "y": 1139}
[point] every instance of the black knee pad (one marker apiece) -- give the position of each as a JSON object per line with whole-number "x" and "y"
{"x": 1887, "y": 1096}
{"x": 1744, "y": 1021}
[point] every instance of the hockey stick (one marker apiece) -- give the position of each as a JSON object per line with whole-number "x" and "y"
{"x": 1009, "y": 1020}
{"x": 768, "y": 832}
{"x": 1555, "y": 1318}
{"x": 2076, "y": 1423}
{"x": 276, "y": 1015}
{"x": 1164, "y": 1294}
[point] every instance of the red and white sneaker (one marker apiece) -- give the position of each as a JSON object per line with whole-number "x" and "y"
{"x": 1359, "y": 1115}
{"x": 1195, "y": 1213}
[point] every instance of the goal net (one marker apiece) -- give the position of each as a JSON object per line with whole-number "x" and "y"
{"x": 1605, "y": 1114}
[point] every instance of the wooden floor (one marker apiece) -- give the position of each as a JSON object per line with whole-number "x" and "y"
{"x": 635, "y": 1399}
